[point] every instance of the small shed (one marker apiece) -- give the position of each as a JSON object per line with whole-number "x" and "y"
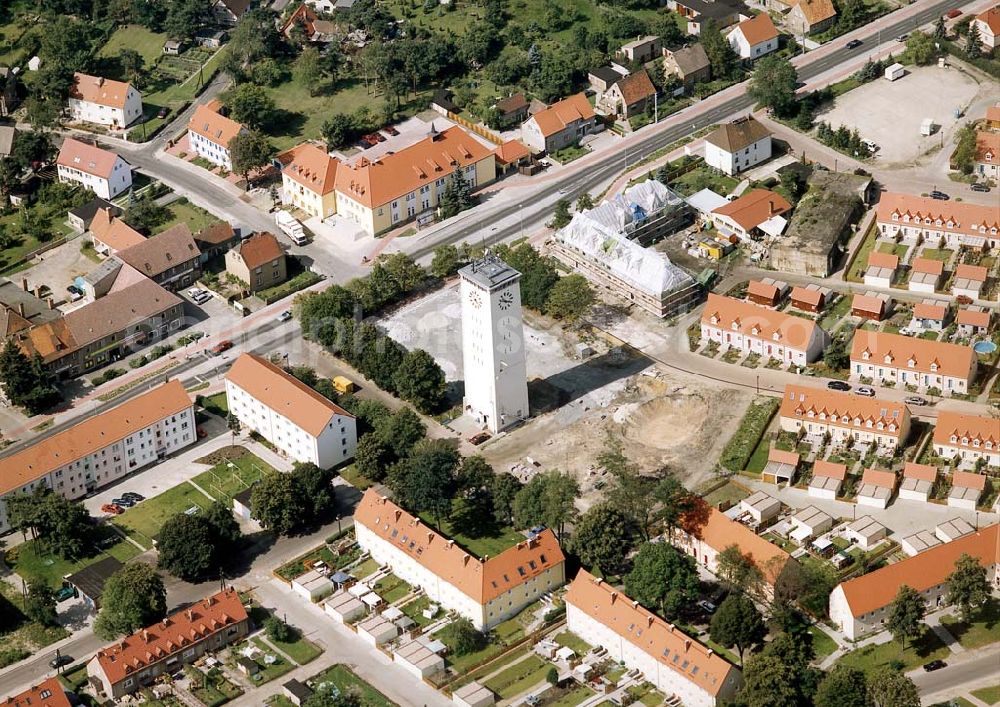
{"x": 473, "y": 694}
{"x": 297, "y": 692}
{"x": 780, "y": 467}
{"x": 313, "y": 586}
{"x": 241, "y": 505}
{"x": 760, "y": 507}
{"x": 895, "y": 71}
{"x": 247, "y": 666}
{"x": 418, "y": 660}
{"x": 869, "y": 307}
{"x": 809, "y": 299}
{"x": 763, "y": 293}
{"x": 810, "y": 522}
{"x": 966, "y": 489}
{"x": 953, "y": 529}
{"x": 344, "y": 607}
{"x": 918, "y": 542}
{"x": 881, "y": 268}
{"x": 827, "y": 479}
{"x": 969, "y": 281}
{"x": 89, "y": 581}
{"x": 929, "y": 316}
{"x": 376, "y": 630}
{"x": 172, "y": 47}
{"x": 877, "y": 487}
{"x": 824, "y": 546}
{"x": 918, "y": 480}
{"x": 925, "y": 275}
{"x": 866, "y": 532}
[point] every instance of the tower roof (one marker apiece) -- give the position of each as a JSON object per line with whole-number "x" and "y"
{"x": 489, "y": 272}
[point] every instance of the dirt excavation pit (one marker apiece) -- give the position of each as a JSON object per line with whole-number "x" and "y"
{"x": 664, "y": 423}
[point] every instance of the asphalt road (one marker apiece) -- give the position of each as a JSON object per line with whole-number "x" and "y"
{"x": 959, "y": 676}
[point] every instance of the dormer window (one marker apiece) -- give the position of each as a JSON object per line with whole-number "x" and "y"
{"x": 912, "y": 362}
{"x": 892, "y": 426}
{"x": 934, "y": 366}
{"x": 715, "y": 319}
{"x": 776, "y": 336}
{"x": 975, "y": 443}
{"x": 756, "y": 330}
{"x": 887, "y": 359}
{"x": 865, "y": 355}
{"x": 735, "y": 326}
{"x": 954, "y": 439}
{"x": 895, "y": 217}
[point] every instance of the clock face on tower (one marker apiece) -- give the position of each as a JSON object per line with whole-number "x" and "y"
{"x": 475, "y": 300}
{"x": 506, "y": 300}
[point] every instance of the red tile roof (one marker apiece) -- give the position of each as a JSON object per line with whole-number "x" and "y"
{"x": 970, "y": 428}
{"x": 830, "y": 470}
{"x": 936, "y": 357}
{"x": 879, "y": 477}
{"x": 511, "y": 151}
{"x": 806, "y": 296}
{"x": 259, "y": 250}
{"x": 103, "y": 92}
{"x": 175, "y": 633}
{"x": 758, "y": 29}
{"x": 716, "y": 530}
{"x": 753, "y": 320}
{"x": 482, "y": 580}
{"x": 928, "y": 266}
{"x": 756, "y": 288}
{"x": 988, "y": 147}
{"x": 968, "y": 480}
{"x": 991, "y": 18}
{"x": 754, "y": 208}
{"x": 964, "y": 217}
{"x": 87, "y": 158}
{"x": 976, "y": 273}
{"x": 923, "y": 472}
{"x": 559, "y": 115}
{"x": 868, "y": 303}
{"x": 49, "y": 693}
{"x": 831, "y": 407}
{"x": 313, "y": 168}
{"x": 976, "y": 318}
{"x": 879, "y": 259}
{"x": 926, "y": 310}
{"x": 209, "y": 123}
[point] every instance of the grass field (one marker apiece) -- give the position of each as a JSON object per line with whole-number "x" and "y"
{"x": 174, "y": 95}
{"x": 728, "y": 492}
{"x": 301, "y": 650}
{"x": 184, "y": 211}
{"x": 856, "y": 272}
{"x": 736, "y": 454}
{"x": 925, "y": 649}
{"x": 573, "y": 697}
{"x": 343, "y": 678}
{"x": 942, "y": 254}
{"x": 461, "y": 663}
{"x": 897, "y": 249}
{"x": 35, "y": 562}
{"x": 350, "y": 475}
{"x": 279, "y": 667}
{"x": 822, "y": 643}
{"x": 391, "y": 588}
{"x": 571, "y": 640}
{"x": 984, "y": 629}
{"x": 216, "y": 404}
{"x": 226, "y": 479}
{"x": 519, "y": 677}
{"x": 989, "y": 695}
{"x": 143, "y": 522}
{"x": 148, "y": 44}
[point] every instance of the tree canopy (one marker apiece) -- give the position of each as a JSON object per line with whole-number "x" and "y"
{"x": 602, "y": 538}
{"x": 132, "y": 598}
{"x": 773, "y": 84}
{"x": 663, "y": 579}
{"x": 737, "y": 622}
{"x": 968, "y": 586}
{"x": 547, "y": 500}
{"x": 906, "y": 614}
{"x": 25, "y": 381}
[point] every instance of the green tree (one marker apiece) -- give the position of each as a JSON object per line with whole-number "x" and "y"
{"x": 504, "y": 490}
{"x": 339, "y": 130}
{"x": 220, "y": 516}
{"x": 61, "y": 524}
{"x": 768, "y": 682}
{"x": 569, "y": 298}
{"x": 843, "y": 686}
{"x": 186, "y": 17}
{"x": 372, "y": 457}
{"x": 720, "y": 53}
{"x": 968, "y": 587}
{"x": 584, "y": 202}
{"x": 773, "y": 84}
{"x": 425, "y": 481}
{"x": 737, "y": 622}
{"x": 547, "y": 500}
{"x": 309, "y": 69}
{"x": 132, "y": 65}
{"x": 739, "y": 572}
{"x": 447, "y": 260}
{"x": 973, "y": 42}
{"x": 144, "y": 214}
{"x": 602, "y": 538}
{"x": 940, "y": 29}
{"x": 278, "y": 630}
{"x": 457, "y": 196}
{"x": 315, "y": 485}
{"x": 250, "y": 104}
{"x": 40, "y": 604}
{"x": 906, "y": 615}
{"x": 561, "y": 216}
{"x": 250, "y": 150}
{"x": 965, "y": 149}
{"x": 402, "y": 430}
{"x": 670, "y": 500}
{"x": 662, "y": 579}
{"x": 920, "y": 48}
{"x": 888, "y": 687}
{"x": 836, "y": 355}
{"x": 187, "y": 547}
{"x": 552, "y": 676}
{"x": 276, "y": 504}
{"x": 133, "y": 597}
{"x": 466, "y": 637}
{"x": 25, "y": 381}
{"x": 630, "y": 490}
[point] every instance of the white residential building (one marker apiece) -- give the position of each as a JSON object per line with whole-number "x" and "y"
{"x": 487, "y": 591}
{"x": 843, "y": 416}
{"x": 102, "y": 449}
{"x": 967, "y": 437}
{"x": 210, "y": 132}
{"x": 493, "y": 356}
{"x": 738, "y": 146}
{"x": 286, "y": 412}
{"x": 750, "y": 328}
{"x": 103, "y": 172}
{"x": 755, "y": 37}
{"x": 958, "y": 222}
{"x": 97, "y": 100}
{"x": 905, "y": 360}
{"x": 988, "y": 24}
{"x": 674, "y": 662}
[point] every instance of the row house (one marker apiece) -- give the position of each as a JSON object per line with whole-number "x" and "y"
{"x": 817, "y": 412}
{"x": 105, "y": 173}
{"x": 958, "y": 222}
{"x": 486, "y": 591}
{"x": 749, "y": 328}
{"x": 560, "y": 125}
{"x": 862, "y": 605}
{"x": 911, "y": 361}
{"x": 48, "y": 693}
{"x": 968, "y": 437}
{"x": 673, "y": 661}
{"x": 171, "y": 258}
{"x": 102, "y": 449}
{"x": 93, "y": 99}
{"x": 300, "y": 422}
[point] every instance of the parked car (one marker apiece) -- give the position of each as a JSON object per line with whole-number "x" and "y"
{"x": 285, "y": 316}
{"x": 137, "y": 497}
{"x": 707, "y": 606}
{"x": 866, "y": 391}
{"x": 915, "y": 400}
{"x": 939, "y": 195}
{"x": 59, "y": 660}
{"x": 934, "y": 665}
{"x": 853, "y": 44}
{"x": 839, "y": 385}
{"x": 123, "y": 502}
{"x": 479, "y": 438}
{"x": 980, "y": 187}
{"x": 391, "y": 130}
{"x": 952, "y": 14}
{"x": 222, "y": 347}
{"x": 903, "y": 37}
{"x": 65, "y": 592}
{"x": 112, "y": 509}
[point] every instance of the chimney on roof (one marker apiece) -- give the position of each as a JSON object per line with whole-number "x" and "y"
{"x": 614, "y": 596}
{"x": 430, "y": 536}
{"x": 38, "y": 291}
{"x": 145, "y": 635}
{"x": 20, "y": 308}
{"x": 711, "y": 652}
{"x": 465, "y": 560}
{"x": 451, "y": 542}
{"x": 598, "y": 580}
{"x": 189, "y": 614}
{"x": 635, "y": 604}
{"x": 649, "y": 620}
{"x": 398, "y": 513}
{"x": 772, "y": 207}
{"x": 687, "y": 645}
{"x": 24, "y": 284}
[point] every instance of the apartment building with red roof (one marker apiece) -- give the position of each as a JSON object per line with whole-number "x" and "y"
{"x": 860, "y": 606}
{"x": 486, "y": 591}
{"x": 137, "y": 660}
{"x": 94, "y": 99}
{"x": 560, "y": 125}
{"x": 102, "y": 449}
{"x": 673, "y": 661}
{"x": 48, "y": 693}
{"x": 750, "y": 328}
{"x": 819, "y": 411}
{"x": 309, "y": 180}
{"x": 968, "y": 437}
{"x": 210, "y": 132}
{"x": 105, "y": 173}
{"x": 958, "y": 222}
{"x": 289, "y": 414}
{"x": 912, "y": 361}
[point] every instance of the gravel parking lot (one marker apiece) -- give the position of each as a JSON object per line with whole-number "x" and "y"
{"x": 890, "y": 112}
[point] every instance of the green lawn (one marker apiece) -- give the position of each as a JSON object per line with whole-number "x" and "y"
{"x": 571, "y": 640}
{"x": 942, "y": 254}
{"x": 297, "y": 567}
{"x": 492, "y": 667}
{"x": 519, "y": 677}
{"x": 823, "y": 645}
{"x": 143, "y": 522}
{"x": 350, "y": 475}
{"x": 343, "y": 678}
{"x": 925, "y": 649}
{"x": 704, "y": 178}
{"x": 897, "y": 249}
{"x": 363, "y": 569}
{"x": 834, "y": 313}
{"x": 860, "y": 263}
{"x": 23, "y": 244}
{"x": 148, "y": 44}
{"x": 727, "y": 492}
{"x": 279, "y": 667}
{"x": 646, "y": 694}
{"x": 391, "y": 588}
{"x": 736, "y": 454}
{"x": 301, "y": 650}
{"x": 461, "y": 663}
{"x": 174, "y": 94}
{"x": 758, "y": 460}
{"x": 989, "y": 695}
{"x": 278, "y": 700}
{"x": 414, "y": 609}
{"x": 984, "y": 629}
{"x": 183, "y": 210}
{"x": 574, "y": 697}
{"x": 226, "y": 479}
{"x": 492, "y": 543}
{"x": 217, "y": 404}
{"x": 32, "y": 561}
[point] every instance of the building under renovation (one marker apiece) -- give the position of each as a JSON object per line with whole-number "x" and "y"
{"x": 604, "y": 244}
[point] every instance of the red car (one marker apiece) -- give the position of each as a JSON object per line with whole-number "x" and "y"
{"x": 952, "y": 14}
{"x": 221, "y": 347}
{"x": 391, "y": 130}
{"x": 111, "y": 508}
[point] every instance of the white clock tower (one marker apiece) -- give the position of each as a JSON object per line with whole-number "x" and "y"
{"x": 496, "y": 378}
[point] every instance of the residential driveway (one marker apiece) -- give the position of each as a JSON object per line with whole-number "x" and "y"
{"x": 57, "y": 268}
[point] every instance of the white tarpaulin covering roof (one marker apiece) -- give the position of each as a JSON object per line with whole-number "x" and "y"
{"x": 774, "y": 226}
{"x": 599, "y": 234}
